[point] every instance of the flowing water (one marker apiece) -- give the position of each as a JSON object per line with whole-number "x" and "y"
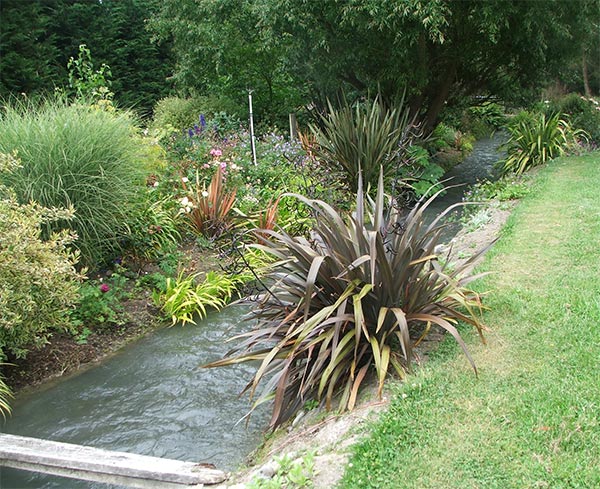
{"x": 477, "y": 166}
{"x": 152, "y": 399}
{"x": 149, "y": 399}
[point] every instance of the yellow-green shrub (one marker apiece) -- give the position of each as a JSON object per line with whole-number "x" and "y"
{"x": 38, "y": 280}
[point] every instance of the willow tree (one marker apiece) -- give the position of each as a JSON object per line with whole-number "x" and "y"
{"x": 438, "y": 49}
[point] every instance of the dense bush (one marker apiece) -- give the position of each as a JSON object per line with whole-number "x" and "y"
{"x": 583, "y": 113}
{"x": 78, "y": 156}
{"x": 179, "y": 113}
{"x": 38, "y": 281}
{"x": 354, "y": 299}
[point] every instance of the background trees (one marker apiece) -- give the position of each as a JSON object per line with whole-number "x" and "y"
{"x": 293, "y": 52}
{"x": 39, "y": 36}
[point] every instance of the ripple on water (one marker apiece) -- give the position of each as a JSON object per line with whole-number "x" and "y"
{"x": 150, "y": 399}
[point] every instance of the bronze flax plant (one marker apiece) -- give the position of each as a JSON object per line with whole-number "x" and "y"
{"x": 352, "y": 300}
{"x": 210, "y": 214}
{"x": 362, "y": 139}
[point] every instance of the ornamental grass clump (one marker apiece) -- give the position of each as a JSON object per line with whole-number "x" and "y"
{"x": 536, "y": 139}
{"x": 81, "y": 157}
{"x": 352, "y": 300}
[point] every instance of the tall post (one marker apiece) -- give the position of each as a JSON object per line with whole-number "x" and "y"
{"x": 293, "y": 127}
{"x": 252, "y": 129}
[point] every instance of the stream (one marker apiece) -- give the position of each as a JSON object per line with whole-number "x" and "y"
{"x": 152, "y": 399}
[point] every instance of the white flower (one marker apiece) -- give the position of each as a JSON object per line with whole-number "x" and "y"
{"x": 204, "y": 193}
{"x": 185, "y": 202}
{"x": 155, "y": 184}
{"x": 185, "y": 180}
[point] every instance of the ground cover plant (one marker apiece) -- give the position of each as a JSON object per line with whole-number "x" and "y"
{"x": 352, "y": 300}
{"x": 531, "y": 418}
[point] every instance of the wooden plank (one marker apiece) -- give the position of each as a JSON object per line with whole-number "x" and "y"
{"x": 100, "y": 465}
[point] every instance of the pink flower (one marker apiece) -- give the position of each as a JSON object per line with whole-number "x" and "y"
{"x": 223, "y": 165}
{"x": 104, "y": 288}
{"x": 216, "y": 152}
{"x": 205, "y": 166}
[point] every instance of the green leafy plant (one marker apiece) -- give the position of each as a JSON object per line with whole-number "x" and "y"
{"x": 537, "y": 139}
{"x": 583, "y": 113}
{"x": 290, "y": 474}
{"x": 208, "y": 210}
{"x": 420, "y": 173}
{"x": 151, "y": 232}
{"x": 89, "y": 84}
{"x": 5, "y": 395}
{"x": 354, "y": 299}
{"x": 76, "y": 156}
{"x": 185, "y": 301}
{"x": 38, "y": 280}
{"x": 100, "y": 303}
{"x": 489, "y": 113}
{"x": 365, "y": 137}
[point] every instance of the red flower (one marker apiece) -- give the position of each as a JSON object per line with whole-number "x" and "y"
{"x": 104, "y": 288}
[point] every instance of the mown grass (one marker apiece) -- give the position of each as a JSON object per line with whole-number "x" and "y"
{"x": 532, "y": 418}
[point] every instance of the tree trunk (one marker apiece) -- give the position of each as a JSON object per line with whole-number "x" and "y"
{"x": 586, "y": 78}
{"x": 440, "y": 95}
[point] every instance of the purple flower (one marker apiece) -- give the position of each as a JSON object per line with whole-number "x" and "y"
{"x": 190, "y": 133}
{"x": 202, "y": 121}
{"x": 104, "y": 288}
{"x": 197, "y": 130}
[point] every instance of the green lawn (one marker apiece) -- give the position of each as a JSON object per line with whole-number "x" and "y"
{"x": 532, "y": 417}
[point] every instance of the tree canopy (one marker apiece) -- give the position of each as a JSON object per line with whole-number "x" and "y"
{"x": 436, "y": 49}
{"x": 296, "y": 52}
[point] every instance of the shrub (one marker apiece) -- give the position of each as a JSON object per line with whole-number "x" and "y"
{"x": 152, "y": 232}
{"x": 78, "y": 156}
{"x": 583, "y": 113}
{"x": 535, "y": 140}
{"x": 490, "y": 113}
{"x": 354, "y": 299}
{"x": 180, "y": 113}
{"x": 363, "y": 138}
{"x": 421, "y": 173}
{"x": 38, "y": 280}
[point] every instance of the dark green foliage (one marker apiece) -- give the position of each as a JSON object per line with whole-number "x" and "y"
{"x": 78, "y": 156}
{"x": 293, "y": 53}
{"x": 361, "y": 139}
{"x": 352, "y": 301}
{"x": 420, "y": 173}
{"x": 583, "y": 113}
{"x": 39, "y": 36}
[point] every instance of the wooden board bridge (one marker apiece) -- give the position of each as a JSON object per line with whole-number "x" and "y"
{"x": 95, "y": 464}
